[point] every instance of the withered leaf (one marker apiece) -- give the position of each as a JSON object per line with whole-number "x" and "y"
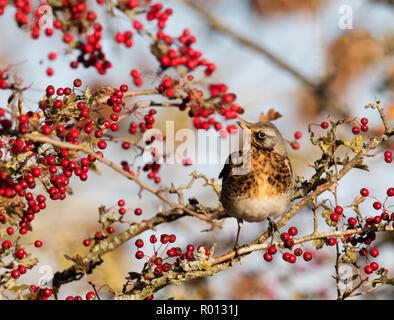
{"x": 318, "y": 243}
{"x": 270, "y": 115}
{"x": 350, "y": 256}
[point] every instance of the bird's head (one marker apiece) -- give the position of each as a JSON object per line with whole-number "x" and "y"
{"x": 265, "y": 135}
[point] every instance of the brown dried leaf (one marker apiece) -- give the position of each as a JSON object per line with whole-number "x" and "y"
{"x": 270, "y": 116}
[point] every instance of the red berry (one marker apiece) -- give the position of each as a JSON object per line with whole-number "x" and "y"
{"x": 293, "y": 231}
{"x": 86, "y": 242}
{"x": 90, "y": 296}
{"x": 356, "y": 130}
{"x": 110, "y": 229}
{"x": 286, "y": 256}
{"x": 324, "y": 125}
{"x": 267, "y": 257}
{"x": 338, "y": 210}
{"x": 364, "y": 121}
{"x": 390, "y": 192}
{"x": 364, "y": 192}
{"x": 47, "y": 292}
{"x": 38, "y": 244}
{"x": 292, "y": 258}
{"x": 284, "y": 236}
{"x": 139, "y": 243}
{"x": 334, "y": 216}
{"x": 374, "y": 266}
{"x": 363, "y": 252}
{"x": 15, "y": 274}
{"x": 138, "y": 211}
{"x": 77, "y": 82}
{"x": 271, "y": 250}
{"x": 332, "y": 241}
{"x": 374, "y": 252}
{"x": 297, "y": 135}
{"x": 352, "y": 221}
{"x": 153, "y": 239}
{"x": 377, "y": 205}
{"x": 289, "y": 243}
{"x": 139, "y": 255}
{"x": 307, "y": 256}
{"x": 295, "y": 145}
{"x": 298, "y": 252}
{"x": 368, "y": 269}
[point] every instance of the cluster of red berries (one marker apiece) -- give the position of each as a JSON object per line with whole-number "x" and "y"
{"x": 157, "y": 260}
{"x": 41, "y": 293}
{"x": 295, "y": 144}
{"x": 126, "y": 167}
{"x": 337, "y": 214}
{"x": 168, "y": 86}
{"x": 184, "y": 54}
{"x": 92, "y": 49}
{"x": 388, "y": 156}
{"x": 3, "y": 4}
{"x": 136, "y": 75}
{"x": 3, "y": 79}
{"x": 288, "y": 242}
{"x": 157, "y": 12}
{"x": 89, "y": 296}
{"x": 125, "y": 37}
{"x": 363, "y": 127}
{"x": 367, "y": 238}
{"x": 152, "y": 169}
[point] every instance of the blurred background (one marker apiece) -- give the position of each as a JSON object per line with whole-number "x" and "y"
{"x": 334, "y": 72}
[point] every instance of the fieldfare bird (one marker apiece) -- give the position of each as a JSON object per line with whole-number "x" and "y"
{"x": 262, "y": 190}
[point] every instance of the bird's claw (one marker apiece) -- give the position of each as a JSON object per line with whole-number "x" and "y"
{"x": 272, "y": 228}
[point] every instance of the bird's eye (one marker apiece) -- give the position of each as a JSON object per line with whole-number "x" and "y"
{"x": 261, "y": 135}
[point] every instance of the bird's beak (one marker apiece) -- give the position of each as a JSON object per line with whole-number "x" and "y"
{"x": 243, "y": 126}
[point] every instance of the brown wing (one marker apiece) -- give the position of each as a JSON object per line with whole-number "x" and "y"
{"x": 282, "y": 172}
{"x": 228, "y": 166}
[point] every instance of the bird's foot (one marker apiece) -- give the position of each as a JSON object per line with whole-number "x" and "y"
{"x": 237, "y": 255}
{"x": 272, "y": 228}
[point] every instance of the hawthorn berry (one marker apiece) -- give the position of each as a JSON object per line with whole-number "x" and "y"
{"x": 334, "y": 216}
{"x": 284, "y": 236}
{"x": 332, "y": 241}
{"x": 374, "y": 266}
{"x": 139, "y": 243}
{"x": 368, "y": 269}
{"x": 153, "y": 239}
{"x": 15, "y": 274}
{"x": 38, "y": 244}
{"x": 364, "y": 192}
{"x": 377, "y": 205}
{"x": 352, "y": 221}
{"x": 338, "y": 210}
{"x": 90, "y": 296}
{"x": 267, "y": 257}
{"x": 307, "y": 256}
{"x": 298, "y": 252}
{"x": 374, "y": 252}
{"x": 293, "y": 231}
{"x": 272, "y": 250}
{"x": 324, "y": 125}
